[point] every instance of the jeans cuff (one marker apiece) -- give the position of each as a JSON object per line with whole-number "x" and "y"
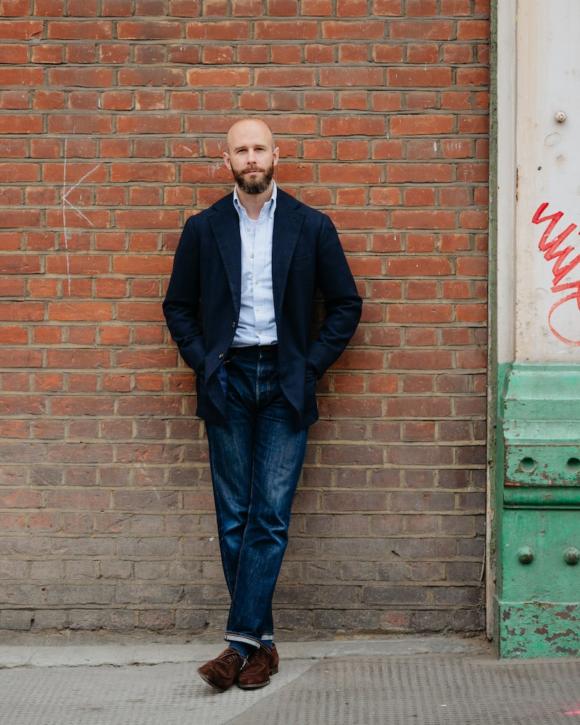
{"x": 247, "y": 638}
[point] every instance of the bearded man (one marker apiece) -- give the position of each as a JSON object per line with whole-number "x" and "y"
{"x": 239, "y": 306}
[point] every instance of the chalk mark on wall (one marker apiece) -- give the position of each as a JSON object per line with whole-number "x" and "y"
{"x": 563, "y": 265}
{"x": 65, "y": 202}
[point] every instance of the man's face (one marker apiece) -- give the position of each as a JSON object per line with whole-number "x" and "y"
{"x": 251, "y": 156}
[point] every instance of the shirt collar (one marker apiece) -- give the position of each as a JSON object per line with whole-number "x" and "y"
{"x": 269, "y": 207}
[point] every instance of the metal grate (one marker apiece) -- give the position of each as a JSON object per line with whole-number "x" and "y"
{"x": 426, "y": 690}
{"x": 432, "y": 689}
{"x": 164, "y": 694}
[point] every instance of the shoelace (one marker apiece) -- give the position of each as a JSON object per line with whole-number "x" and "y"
{"x": 228, "y": 655}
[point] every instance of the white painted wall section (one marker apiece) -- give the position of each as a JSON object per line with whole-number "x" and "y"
{"x": 547, "y": 223}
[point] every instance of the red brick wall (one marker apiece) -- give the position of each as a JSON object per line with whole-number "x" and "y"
{"x": 112, "y": 118}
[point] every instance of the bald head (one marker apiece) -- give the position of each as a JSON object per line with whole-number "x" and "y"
{"x": 251, "y": 155}
{"x": 249, "y": 128}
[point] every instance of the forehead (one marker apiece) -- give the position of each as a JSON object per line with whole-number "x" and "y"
{"x": 248, "y": 133}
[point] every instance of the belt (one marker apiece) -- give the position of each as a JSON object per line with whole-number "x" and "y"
{"x": 253, "y": 349}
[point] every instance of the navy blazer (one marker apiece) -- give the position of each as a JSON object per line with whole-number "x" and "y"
{"x": 202, "y": 303}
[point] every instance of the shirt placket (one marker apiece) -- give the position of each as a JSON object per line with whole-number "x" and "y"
{"x": 258, "y": 240}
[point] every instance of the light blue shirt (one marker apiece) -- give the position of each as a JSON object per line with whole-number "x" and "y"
{"x": 257, "y": 322}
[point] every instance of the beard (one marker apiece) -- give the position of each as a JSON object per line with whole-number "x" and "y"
{"x": 257, "y": 186}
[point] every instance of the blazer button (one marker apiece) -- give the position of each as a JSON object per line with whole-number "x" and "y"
{"x": 234, "y": 324}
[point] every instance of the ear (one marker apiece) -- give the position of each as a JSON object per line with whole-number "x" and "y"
{"x": 276, "y": 156}
{"x": 227, "y": 161}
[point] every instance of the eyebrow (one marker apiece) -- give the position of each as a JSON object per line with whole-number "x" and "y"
{"x": 245, "y": 145}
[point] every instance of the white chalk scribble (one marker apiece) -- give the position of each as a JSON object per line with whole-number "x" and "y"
{"x": 65, "y": 202}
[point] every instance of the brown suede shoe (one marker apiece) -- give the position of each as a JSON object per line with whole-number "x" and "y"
{"x": 223, "y": 671}
{"x": 261, "y": 665}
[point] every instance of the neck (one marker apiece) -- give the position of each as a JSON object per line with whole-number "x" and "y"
{"x": 253, "y": 203}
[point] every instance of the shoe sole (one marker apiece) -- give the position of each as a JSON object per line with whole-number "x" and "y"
{"x": 254, "y": 687}
{"x": 210, "y": 683}
{"x": 273, "y": 671}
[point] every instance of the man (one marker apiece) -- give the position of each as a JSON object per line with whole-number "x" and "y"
{"x": 239, "y": 306}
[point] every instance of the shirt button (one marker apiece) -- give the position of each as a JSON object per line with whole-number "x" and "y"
{"x": 221, "y": 356}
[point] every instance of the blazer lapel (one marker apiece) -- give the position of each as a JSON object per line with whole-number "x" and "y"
{"x": 225, "y": 224}
{"x": 287, "y": 226}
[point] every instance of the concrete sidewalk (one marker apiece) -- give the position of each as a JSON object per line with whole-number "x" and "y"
{"x": 410, "y": 679}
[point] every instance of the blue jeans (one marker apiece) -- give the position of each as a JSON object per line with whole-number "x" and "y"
{"x": 255, "y": 459}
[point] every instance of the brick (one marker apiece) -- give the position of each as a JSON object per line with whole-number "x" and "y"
{"x": 20, "y": 124}
{"x": 388, "y": 53}
{"x": 394, "y": 595}
{"x": 151, "y": 30}
{"x": 281, "y": 77}
{"x": 234, "y": 30}
{"x": 472, "y": 266}
{"x": 352, "y": 8}
{"x": 202, "y": 77}
{"x": 472, "y": 29}
{"x": 91, "y": 30}
{"x": 20, "y": 76}
{"x": 17, "y": 619}
{"x": 419, "y": 197}
{"x": 423, "y": 53}
{"x": 151, "y": 77}
{"x": 386, "y": 7}
{"x": 347, "y": 30}
{"x": 405, "y": 173}
{"x": 472, "y": 77}
{"x": 247, "y": 7}
{"x": 411, "y": 219}
{"x": 409, "y": 359}
{"x": 351, "y": 77}
{"x": 88, "y": 77}
{"x": 419, "y": 266}
{"x": 422, "y": 101}
{"x": 421, "y": 125}
{"x": 352, "y": 173}
{"x": 418, "y": 8}
{"x": 421, "y": 455}
{"x": 287, "y": 30}
{"x": 351, "y": 53}
{"x": 348, "y": 126}
{"x": 418, "y": 77}
{"x": 16, "y": 8}
{"x": 20, "y": 30}
{"x": 421, "y": 30}
{"x": 455, "y": 7}
{"x": 420, "y": 313}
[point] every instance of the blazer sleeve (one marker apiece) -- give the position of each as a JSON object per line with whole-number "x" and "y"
{"x": 181, "y": 303}
{"x": 342, "y": 302}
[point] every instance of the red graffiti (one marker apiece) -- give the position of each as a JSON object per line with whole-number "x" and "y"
{"x": 561, "y": 268}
